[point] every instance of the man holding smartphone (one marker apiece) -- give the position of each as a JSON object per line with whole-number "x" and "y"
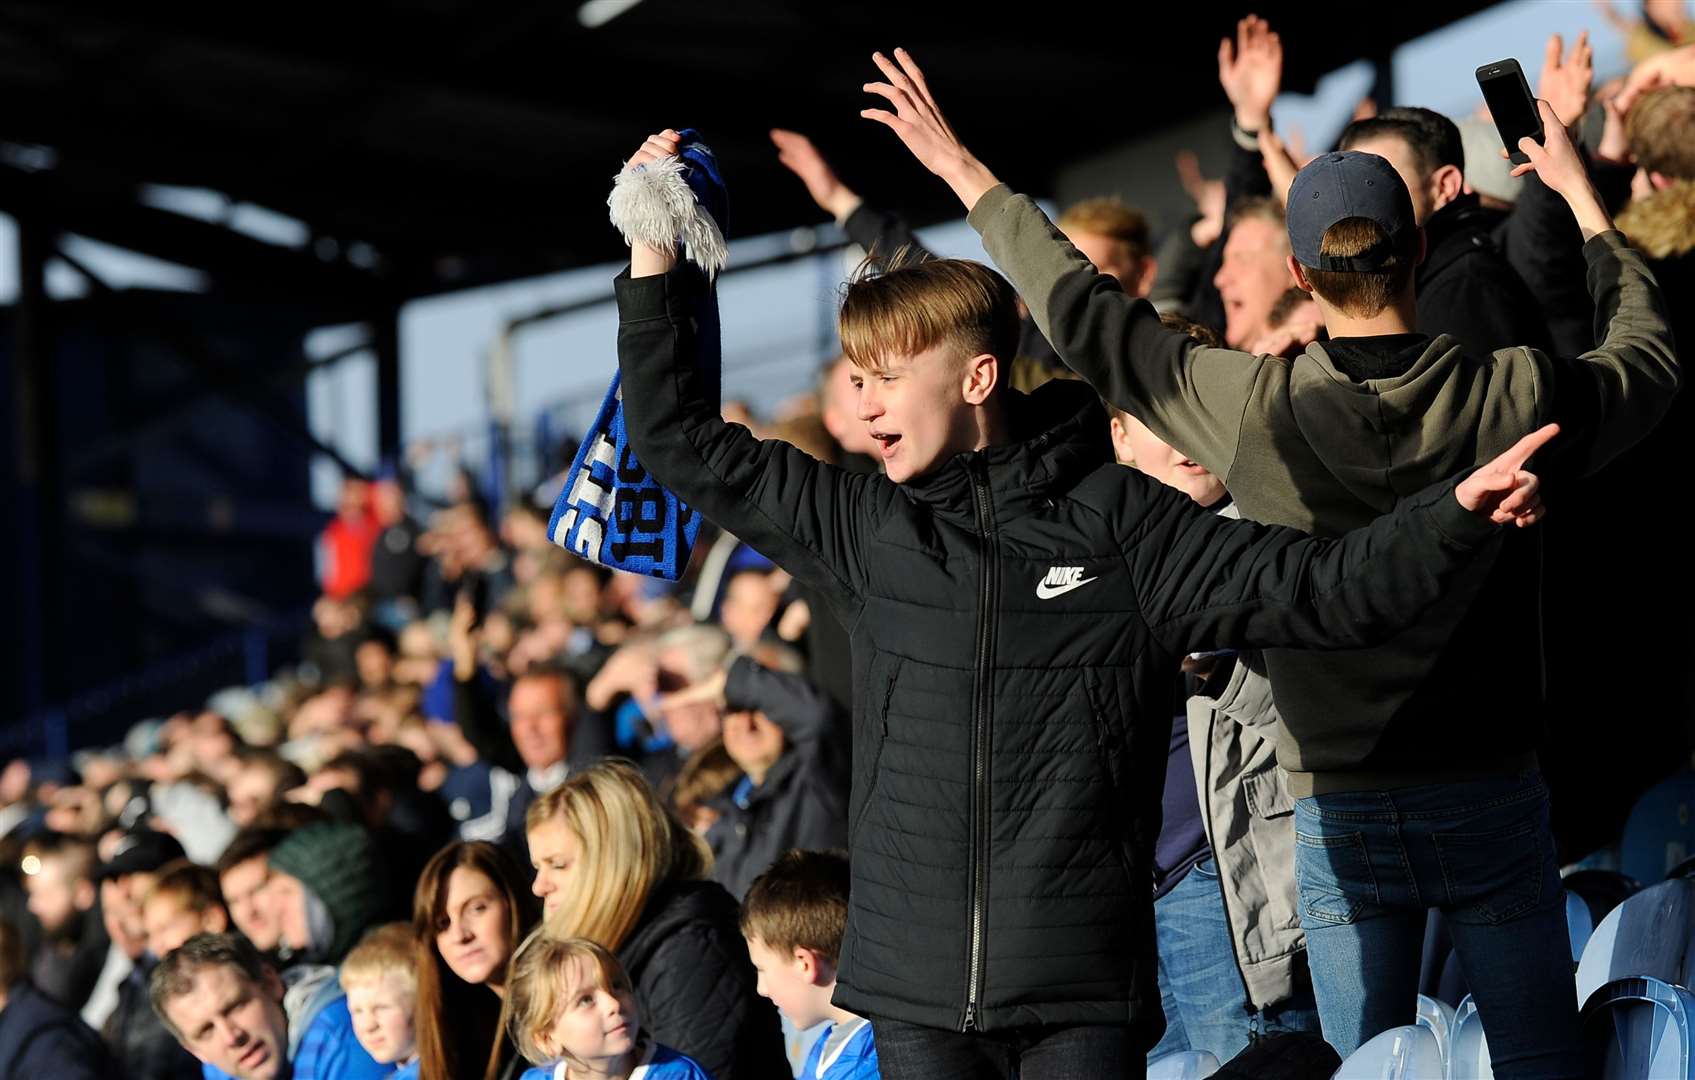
{"x": 1417, "y": 780}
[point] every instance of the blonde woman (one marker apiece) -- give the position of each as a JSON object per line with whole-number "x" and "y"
{"x": 613, "y": 866}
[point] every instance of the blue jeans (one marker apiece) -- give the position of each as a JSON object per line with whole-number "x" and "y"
{"x": 1054, "y": 1052}
{"x": 1370, "y": 863}
{"x": 1200, "y": 986}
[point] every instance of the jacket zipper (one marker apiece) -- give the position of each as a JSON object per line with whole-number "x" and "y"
{"x": 981, "y": 697}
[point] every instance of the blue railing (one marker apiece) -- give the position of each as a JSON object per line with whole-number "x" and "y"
{"x": 101, "y": 716}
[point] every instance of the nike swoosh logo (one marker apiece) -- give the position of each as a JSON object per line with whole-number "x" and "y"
{"x": 1044, "y": 591}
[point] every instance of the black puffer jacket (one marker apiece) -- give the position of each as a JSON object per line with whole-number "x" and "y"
{"x": 1016, "y": 615}
{"x": 1468, "y": 290}
{"x": 688, "y": 961}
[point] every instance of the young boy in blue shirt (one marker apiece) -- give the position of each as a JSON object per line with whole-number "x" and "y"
{"x": 793, "y": 918}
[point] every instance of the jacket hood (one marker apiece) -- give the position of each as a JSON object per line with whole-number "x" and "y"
{"x": 1383, "y": 438}
{"x": 1059, "y": 436}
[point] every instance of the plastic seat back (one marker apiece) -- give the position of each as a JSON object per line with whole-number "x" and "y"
{"x": 1401, "y": 1053}
{"x": 1468, "y": 1054}
{"x": 1184, "y": 1065}
{"x": 1438, "y": 1016}
{"x": 1660, "y": 831}
{"x": 1650, "y": 936}
{"x": 1579, "y": 924}
{"x": 1639, "y": 1029}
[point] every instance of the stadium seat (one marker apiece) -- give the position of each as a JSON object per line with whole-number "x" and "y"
{"x": 1660, "y": 831}
{"x": 1651, "y": 935}
{"x": 1184, "y": 1065}
{"x": 1409, "y": 1052}
{"x": 1639, "y": 1029}
{"x": 1602, "y": 890}
{"x": 1580, "y": 924}
{"x": 1468, "y": 1053}
{"x": 1438, "y": 1016}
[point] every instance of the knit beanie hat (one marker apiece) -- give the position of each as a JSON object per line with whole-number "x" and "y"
{"x": 338, "y": 864}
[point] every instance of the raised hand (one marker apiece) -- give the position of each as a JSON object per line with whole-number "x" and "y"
{"x": 1208, "y": 196}
{"x": 632, "y": 670}
{"x": 1502, "y": 489}
{"x": 1556, "y": 161}
{"x": 1280, "y": 165}
{"x": 645, "y": 261}
{"x": 655, "y": 148}
{"x": 709, "y": 690}
{"x": 1615, "y": 137}
{"x": 800, "y": 157}
{"x": 918, "y": 120}
{"x": 1251, "y": 72}
{"x": 1566, "y": 77}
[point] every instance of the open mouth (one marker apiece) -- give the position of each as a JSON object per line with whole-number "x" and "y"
{"x": 886, "y": 442}
{"x": 1191, "y": 467}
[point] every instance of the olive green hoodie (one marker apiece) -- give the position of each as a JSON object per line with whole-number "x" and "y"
{"x": 1299, "y": 442}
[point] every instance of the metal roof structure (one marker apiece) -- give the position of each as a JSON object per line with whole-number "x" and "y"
{"x": 397, "y": 149}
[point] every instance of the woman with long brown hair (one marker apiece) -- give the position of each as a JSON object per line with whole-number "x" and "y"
{"x": 613, "y": 866}
{"x": 469, "y": 913}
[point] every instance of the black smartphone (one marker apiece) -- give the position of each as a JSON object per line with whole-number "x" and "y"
{"x": 1511, "y": 104}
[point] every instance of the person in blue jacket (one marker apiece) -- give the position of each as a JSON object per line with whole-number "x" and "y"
{"x": 230, "y": 1009}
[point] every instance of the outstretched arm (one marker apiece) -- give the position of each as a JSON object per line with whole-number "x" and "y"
{"x": 1207, "y": 582}
{"x": 881, "y": 233}
{"x": 803, "y": 515}
{"x": 1189, "y": 396}
{"x": 1611, "y": 396}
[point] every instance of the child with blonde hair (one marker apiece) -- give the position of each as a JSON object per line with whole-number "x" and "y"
{"x": 571, "y": 1009}
{"x": 381, "y": 981}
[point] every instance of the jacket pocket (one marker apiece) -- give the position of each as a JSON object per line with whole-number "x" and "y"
{"x": 1267, "y": 794}
{"x": 879, "y": 694}
{"x": 1335, "y": 876}
{"x": 1498, "y": 865}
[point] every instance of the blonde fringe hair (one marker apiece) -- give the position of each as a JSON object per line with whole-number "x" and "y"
{"x": 910, "y": 309}
{"x": 1111, "y": 218}
{"x": 384, "y": 950}
{"x": 630, "y": 844}
{"x": 546, "y": 977}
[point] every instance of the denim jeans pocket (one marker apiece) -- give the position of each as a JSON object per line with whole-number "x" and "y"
{"x": 1334, "y": 876}
{"x": 1494, "y": 875}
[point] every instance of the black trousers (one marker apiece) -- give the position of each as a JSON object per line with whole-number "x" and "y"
{"x": 1056, "y": 1052}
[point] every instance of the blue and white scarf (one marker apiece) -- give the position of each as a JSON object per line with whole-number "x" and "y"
{"x": 611, "y": 510}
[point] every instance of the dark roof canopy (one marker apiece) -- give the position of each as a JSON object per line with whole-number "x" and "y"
{"x": 430, "y": 144}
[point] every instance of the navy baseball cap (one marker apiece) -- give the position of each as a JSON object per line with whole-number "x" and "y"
{"x": 1348, "y": 184}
